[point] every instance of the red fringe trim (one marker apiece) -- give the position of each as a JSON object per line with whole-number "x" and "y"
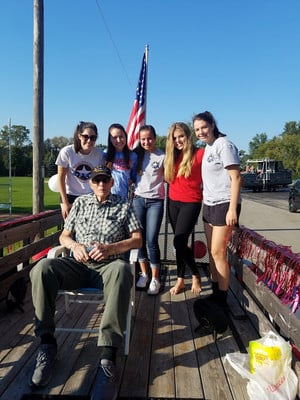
{"x": 275, "y": 265}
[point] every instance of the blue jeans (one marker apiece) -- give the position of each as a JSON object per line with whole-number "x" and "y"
{"x": 150, "y": 213}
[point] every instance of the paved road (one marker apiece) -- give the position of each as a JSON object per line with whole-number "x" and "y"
{"x": 267, "y": 214}
{"x": 278, "y": 199}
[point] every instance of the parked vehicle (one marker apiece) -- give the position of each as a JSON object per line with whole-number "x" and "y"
{"x": 294, "y": 196}
{"x": 266, "y": 174}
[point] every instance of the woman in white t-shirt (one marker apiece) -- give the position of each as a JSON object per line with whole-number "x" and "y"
{"x": 221, "y": 198}
{"x": 75, "y": 163}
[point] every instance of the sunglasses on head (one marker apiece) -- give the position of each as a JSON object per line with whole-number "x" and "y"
{"x": 92, "y": 138}
{"x": 101, "y": 178}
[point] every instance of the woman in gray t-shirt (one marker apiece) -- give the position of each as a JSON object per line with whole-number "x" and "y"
{"x": 148, "y": 203}
{"x": 221, "y": 198}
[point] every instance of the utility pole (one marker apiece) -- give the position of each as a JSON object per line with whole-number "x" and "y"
{"x": 38, "y": 107}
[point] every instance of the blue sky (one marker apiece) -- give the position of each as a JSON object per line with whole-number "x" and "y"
{"x": 238, "y": 59}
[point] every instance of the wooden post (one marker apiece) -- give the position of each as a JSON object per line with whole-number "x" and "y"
{"x": 38, "y": 108}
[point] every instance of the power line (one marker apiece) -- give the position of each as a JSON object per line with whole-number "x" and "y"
{"x": 113, "y": 42}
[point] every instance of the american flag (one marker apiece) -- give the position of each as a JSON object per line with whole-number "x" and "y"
{"x": 138, "y": 114}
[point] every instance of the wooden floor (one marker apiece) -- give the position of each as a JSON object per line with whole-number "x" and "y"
{"x": 167, "y": 359}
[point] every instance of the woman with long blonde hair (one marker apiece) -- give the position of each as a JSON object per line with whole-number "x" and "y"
{"x": 183, "y": 174}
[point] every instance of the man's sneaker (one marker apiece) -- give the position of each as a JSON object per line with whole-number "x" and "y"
{"x": 154, "y": 287}
{"x": 105, "y": 387}
{"x": 142, "y": 282}
{"x": 44, "y": 362}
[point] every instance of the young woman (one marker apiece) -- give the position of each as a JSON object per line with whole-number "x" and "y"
{"x": 75, "y": 163}
{"x": 148, "y": 203}
{"x": 183, "y": 173}
{"x": 221, "y": 198}
{"x": 120, "y": 160}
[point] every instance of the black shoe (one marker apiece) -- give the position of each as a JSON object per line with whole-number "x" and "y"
{"x": 211, "y": 317}
{"x": 105, "y": 387}
{"x": 219, "y": 297}
{"x": 44, "y": 362}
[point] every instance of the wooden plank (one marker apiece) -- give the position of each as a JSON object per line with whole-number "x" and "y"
{"x": 7, "y": 282}
{"x": 280, "y": 314}
{"x": 84, "y": 369}
{"x": 210, "y": 365}
{"x": 161, "y": 379}
{"x": 16, "y": 367}
{"x": 70, "y": 348}
{"x": 24, "y": 253}
{"x": 258, "y": 319}
{"x": 69, "y": 345}
{"x": 187, "y": 376}
{"x": 137, "y": 364}
{"x": 28, "y": 218}
{"x": 29, "y": 230}
{"x": 288, "y": 322}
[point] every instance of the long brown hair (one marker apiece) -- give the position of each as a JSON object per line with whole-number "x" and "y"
{"x": 111, "y": 150}
{"x": 209, "y": 118}
{"x": 79, "y": 129}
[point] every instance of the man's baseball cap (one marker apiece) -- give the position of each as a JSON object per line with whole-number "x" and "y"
{"x": 100, "y": 170}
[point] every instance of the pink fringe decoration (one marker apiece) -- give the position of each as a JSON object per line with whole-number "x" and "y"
{"x": 275, "y": 265}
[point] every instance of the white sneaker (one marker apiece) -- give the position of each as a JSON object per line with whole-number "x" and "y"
{"x": 142, "y": 282}
{"x": 154, "y": 287}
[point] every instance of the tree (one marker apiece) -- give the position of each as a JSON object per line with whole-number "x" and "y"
{"x": 21, "y": 150}
{"x": 284, "y": 147}
{"x": 243, "y": 158}
{"x": 58, "y": 142}
{"x": 19, "y": 136}
{"x": 161, "y": 142}
{"x": 51, "y": 149}
{"x": 258, "y": 140}
{"x": 291, "y": 128}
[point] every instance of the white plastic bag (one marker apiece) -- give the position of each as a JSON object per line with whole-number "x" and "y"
{"x": 268, "y": 368}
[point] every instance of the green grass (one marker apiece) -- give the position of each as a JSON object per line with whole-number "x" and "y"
{"x": 22, "y": 195}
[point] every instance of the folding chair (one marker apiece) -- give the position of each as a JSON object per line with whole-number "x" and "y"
{"x": 83, "y": 295}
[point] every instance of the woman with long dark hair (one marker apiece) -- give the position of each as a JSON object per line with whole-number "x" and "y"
{"x": 75, "y": 163}
{"x": 221, "y": 198}
{"x": 121, "y": 160}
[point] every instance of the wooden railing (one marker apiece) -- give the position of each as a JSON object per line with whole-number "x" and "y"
{"x": 23, "y": 241}
{"x": 270, "y": 274}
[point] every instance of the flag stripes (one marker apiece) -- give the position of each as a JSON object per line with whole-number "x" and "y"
{"x": 138, "y": 114}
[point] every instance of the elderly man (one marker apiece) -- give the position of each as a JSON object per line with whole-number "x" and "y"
{"x": 106, "y": 228}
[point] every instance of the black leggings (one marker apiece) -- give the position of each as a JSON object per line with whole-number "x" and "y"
{"x": 183, "y": 218}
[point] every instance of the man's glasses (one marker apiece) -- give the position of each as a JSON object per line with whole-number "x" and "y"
{"x": 92, "y": 138}
{"x": 103, "y": 178}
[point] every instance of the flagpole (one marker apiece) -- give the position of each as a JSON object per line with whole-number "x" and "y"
{"x": 146, "y": 58}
